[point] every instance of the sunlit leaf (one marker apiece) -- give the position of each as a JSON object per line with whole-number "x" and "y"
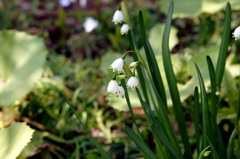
{"x": 22, "y": 57}
{"x": 13, "y": 139}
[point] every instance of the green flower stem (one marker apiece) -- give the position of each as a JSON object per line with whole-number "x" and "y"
{"x": 130, "y": 107}
{"x": 173, "y": 84}
{"x": 139, "y": 69}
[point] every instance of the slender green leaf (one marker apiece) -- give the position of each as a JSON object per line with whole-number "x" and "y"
{"x": 139, "y": 69}
{"x": 212, "y": 74}
{"x": 197, "y": 118}
{"x": 230, "y": 148}
{"x": 173, "y": 84}
{"x": 130, "y": 106}
{"x": 162, "y": 136}
{"x": 201, "y": 155}
{"x": 125, "y": 13}
{"x": 205, "y": 108}
{"x": 215, "y": 154}
{"x": 164, "y": 118}
{"x": 224, "y": 46}
{"x": 213, "y": 106}
{"x": 152, "y": 62}
{"x": 140, "y": 143}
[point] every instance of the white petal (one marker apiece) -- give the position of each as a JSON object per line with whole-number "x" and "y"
{"x": 124, "y": 29}
{"x": 113, "y": 87}
{"x": 121, "y": 92}
{"x": 117, "y": 65}
{"x": 132, "y": 82}
{"x": 236, "y": 33}
{"x": 118, "y": 17}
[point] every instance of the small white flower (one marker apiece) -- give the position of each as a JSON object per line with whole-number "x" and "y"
{"x": 117, "y": 65}
{"x": 121, "y": 92}
{"x": 113, "y": 88}
{"x": 90, "y": 24}
{"x": 124, "y": 29}
{"x": 66, "y": 3}
{"x": 236, "y": 33}
{"x": 133, "y": 83}
{"x": 118, "y": 17}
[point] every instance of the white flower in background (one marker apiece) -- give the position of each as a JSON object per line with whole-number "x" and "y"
{"x": 117, "y": 65}
{"x": 133, "y": 82}
{"x": 236, "y": 33}
{"x": 121, "y": 92}
{"x": 90, "y": 24}
{"x": 124, "y": 29}
{"x": 113, "y": 88}
{"x": 83, "y": 3}
{"x": 118, "y": 17}
{"x": 66, "y": 3}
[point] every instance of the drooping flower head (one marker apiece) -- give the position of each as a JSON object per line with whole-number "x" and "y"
{"x": 236, "y": 33}
{"x": 118, "y": 17}
{"x": 117, "y": 65}
{"x": 113, "y": 88}
{"x": 121, "y": 92}
{"x": 133, "y": 83}
{"x": 124, "y": 29}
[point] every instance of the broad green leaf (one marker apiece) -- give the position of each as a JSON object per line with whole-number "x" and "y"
{"x": 196, "y": 7}
{"x": 183, "y": 8}
{"x": 155, "y": 38}
{"x": 22, "y": 57}
{"x": 13, "y": 139}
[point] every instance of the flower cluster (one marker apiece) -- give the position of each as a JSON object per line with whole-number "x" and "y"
{"x": 236, "y": 33}
{"x": 119, "y": 18}
{"x": 115, "y": 88}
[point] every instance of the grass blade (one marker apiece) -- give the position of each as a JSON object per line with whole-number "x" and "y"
{"x": 230, "y": 149}
{"x": 197, "y": 118}
{"x": 173, "y": 84}
{"x": 152, "y": 62}
{"x": 224, "y": 45}
{"x": 130, "y": 107}
{"x": 205, "y": 108}
{"x": 140, "y": 143}
{"x": 139, "y": 69}
{"x": 201, "y": 155}
{"x": 213, "y": 106}
{"x": 212, "y": 74}
{"x": 159, "y": 133}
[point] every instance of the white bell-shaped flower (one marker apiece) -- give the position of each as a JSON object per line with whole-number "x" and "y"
{"x": 132, "y": 83}
{"x": 124, "y": 29}
{"x": 113, "y": 88}
{"x": 117, "y": 65}
{"x": 118, "y": 17}
{"x": 121, "y": 92}
{"x": 236, "y": 33}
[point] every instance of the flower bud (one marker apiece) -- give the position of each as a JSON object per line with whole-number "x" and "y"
{"x": 134, "y": 64}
